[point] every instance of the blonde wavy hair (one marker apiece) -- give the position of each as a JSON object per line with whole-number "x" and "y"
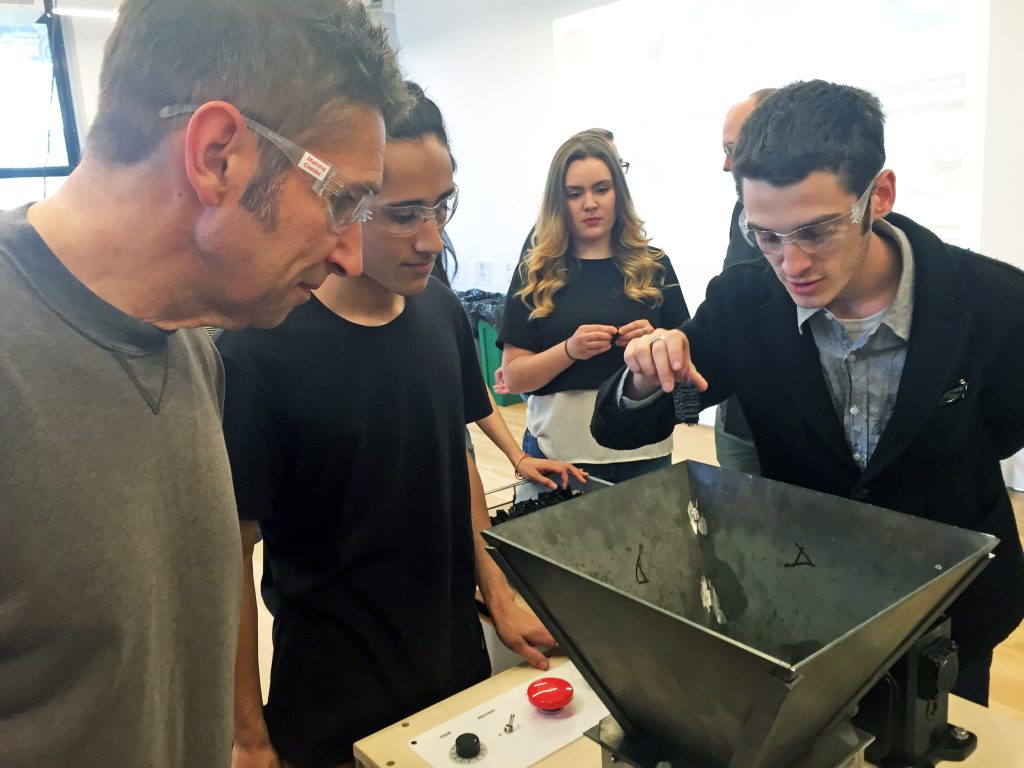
{"x": 551, "y": 259}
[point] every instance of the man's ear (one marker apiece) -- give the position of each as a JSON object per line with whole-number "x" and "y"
{"x": 883, "y": 198}
{"x": 221, "y": 154}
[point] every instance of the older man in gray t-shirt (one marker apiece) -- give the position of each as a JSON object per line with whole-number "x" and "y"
{"x": 212, "y": 192}
{"x": 119, "y": 549}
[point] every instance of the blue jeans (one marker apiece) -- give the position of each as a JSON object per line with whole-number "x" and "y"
{"x": 734, "y": 452}
{"x": 615, "y": 472}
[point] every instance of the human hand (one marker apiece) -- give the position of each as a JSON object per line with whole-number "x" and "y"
{"x": 520, "y": 631}
{"x": 254, "y": 756}
{"x": 590, "y": 340}
{"x": 537, "y": 470}
{"x": 500, "y": 388}
{"x": 631, "y": 331}
{"x": 660, "y": 359}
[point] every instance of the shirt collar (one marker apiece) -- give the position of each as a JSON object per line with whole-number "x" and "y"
{"x": 898, "y": 316}
{"x": 69, "y": 298}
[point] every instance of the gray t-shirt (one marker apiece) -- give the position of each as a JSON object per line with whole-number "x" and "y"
{"x": 119, "y": 548}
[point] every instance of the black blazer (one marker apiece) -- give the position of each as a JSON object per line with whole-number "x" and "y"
{"x": 939, "y": 455}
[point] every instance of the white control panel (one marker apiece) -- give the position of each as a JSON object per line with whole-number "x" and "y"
{"x": 509, "y": 732}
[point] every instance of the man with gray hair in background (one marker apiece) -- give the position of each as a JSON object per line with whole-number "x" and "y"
{"x": 734, "y": 446}
{"x": 236, "y": 146}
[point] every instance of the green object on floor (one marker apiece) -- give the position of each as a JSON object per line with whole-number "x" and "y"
{"x": 490, "y": 361}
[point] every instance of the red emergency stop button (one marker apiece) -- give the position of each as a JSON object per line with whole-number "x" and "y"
{"x": 549, "y": 694}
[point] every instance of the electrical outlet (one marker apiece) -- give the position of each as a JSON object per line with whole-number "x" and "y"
{"x": 483, "y": 273}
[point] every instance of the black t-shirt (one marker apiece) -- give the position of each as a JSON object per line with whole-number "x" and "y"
{"x": 347, "y": 445}
{"x": 593, "y": 294}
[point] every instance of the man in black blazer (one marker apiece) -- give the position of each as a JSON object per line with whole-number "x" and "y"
{"x": 872, "y": 360}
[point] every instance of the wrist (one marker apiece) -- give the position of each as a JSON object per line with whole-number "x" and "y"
{"x": 517, "y": 462}
{"x": 500, "y": 600}
{"x": 568, "y": 353}
{"x": 251, "y": 738}
{"x": 637, "y": 390}
{"x": 250, "y": 729}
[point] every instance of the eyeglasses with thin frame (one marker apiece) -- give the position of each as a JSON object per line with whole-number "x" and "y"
{"x": 813, "y": 238}
{"x": 344, "y": 205}
{"x": 624, "y": 165}
{"x": 406, "y": 220}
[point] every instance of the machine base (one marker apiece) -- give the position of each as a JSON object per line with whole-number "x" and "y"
{"x": 843, "y": 747}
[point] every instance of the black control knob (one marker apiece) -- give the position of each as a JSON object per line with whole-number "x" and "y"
{"x": 937, "y": 669}
{"x": 467, "y": 746}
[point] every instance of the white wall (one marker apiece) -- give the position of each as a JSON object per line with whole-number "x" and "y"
{"x": 489, "y": 65}
{"x": 1004, "y": 158}
{"x": 515, "y": 78}
{"x": 85, "y": 38}
{"x": 1004, "y": 137}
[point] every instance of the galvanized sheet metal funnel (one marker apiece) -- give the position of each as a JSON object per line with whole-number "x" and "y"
{"x": 730, "y": 619}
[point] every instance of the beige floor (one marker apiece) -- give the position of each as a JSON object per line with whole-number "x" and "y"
{"x": 698, "y": 443}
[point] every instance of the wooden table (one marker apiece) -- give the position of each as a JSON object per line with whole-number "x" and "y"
{"x": 1000, "y": 738}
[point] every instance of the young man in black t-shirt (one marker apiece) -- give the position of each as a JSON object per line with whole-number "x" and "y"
{"x": 345, "y": 428}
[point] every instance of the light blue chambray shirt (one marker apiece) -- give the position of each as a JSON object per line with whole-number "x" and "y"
{"x": 863, "y": 374}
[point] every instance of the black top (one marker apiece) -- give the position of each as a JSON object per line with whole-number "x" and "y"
{"x": 738, "y": 252}
{"x": 739, "y": 249}
{"x": 527, "y": 244}
{"x": 937, "y": 458}
{"x": 593, "y": 294}
{"x": 347, "y": 445}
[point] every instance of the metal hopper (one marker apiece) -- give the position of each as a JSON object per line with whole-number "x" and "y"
{"x": 727, "y": 620}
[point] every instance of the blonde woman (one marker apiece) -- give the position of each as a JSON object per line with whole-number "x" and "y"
{"x": 589, "y": 284}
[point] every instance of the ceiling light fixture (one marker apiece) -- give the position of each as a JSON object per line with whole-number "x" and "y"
{"x": 86, "y": 13}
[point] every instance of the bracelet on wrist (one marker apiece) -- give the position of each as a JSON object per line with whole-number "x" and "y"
{"x": 574, "y": 359}
{"x": 515, "y": 467}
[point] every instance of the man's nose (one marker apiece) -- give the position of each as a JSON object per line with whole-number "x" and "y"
{"x": 347, "y": 256}
{"x": 428, "y": 239}
{"x": 795, "y": 260}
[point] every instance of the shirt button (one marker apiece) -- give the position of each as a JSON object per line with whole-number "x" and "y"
{"x": 854, "y": 410}
{"x": 856, "y": 457}
{"x": 852, "y": 358}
